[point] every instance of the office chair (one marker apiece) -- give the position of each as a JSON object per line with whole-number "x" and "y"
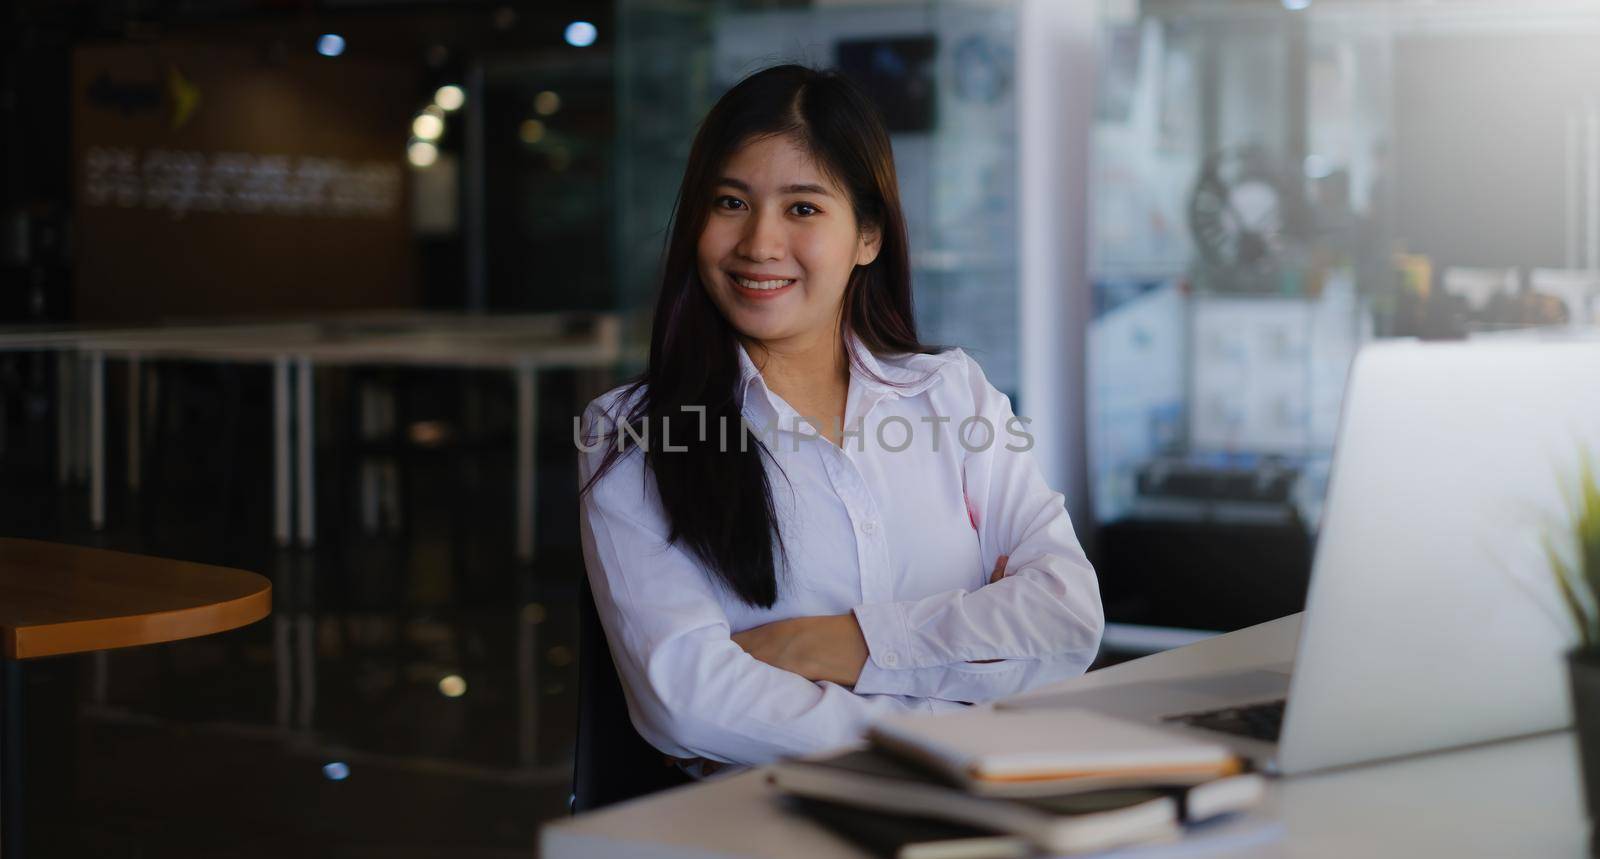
{"x": 611, "y": 763}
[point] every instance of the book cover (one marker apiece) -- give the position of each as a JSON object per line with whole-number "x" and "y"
{"x": 1070, "y": 823}
{"x": 1051, "y": 751}
{"x": 903, "y": 836}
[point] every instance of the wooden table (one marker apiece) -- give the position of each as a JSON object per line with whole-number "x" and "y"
{"x": 57, "y": 600}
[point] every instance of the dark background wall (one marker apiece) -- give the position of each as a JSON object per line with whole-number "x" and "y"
{"x": 215, "y": 180}
{"x": 263, "y": 92}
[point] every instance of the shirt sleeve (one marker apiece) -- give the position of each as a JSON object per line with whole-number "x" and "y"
{"x": 1042, "y": 621}
{"x": 691, "y": 690}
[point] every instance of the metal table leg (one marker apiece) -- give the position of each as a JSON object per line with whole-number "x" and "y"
{"x": 283, "y": 607}
{"x": 365, "y": 396}
{"x": 307, "y": 450}
{"x": 135, "y": 376}
{"x": 305, "y": 648}
{"x": 527, "y": 415}
{"x": 97, "y": 440}
{"x": 66, "y": 408}
{"x": 281, "y": 454}
{"x": 80, "y": 417}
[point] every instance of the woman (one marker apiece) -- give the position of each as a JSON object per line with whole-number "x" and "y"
{"x": 771, "y": 583}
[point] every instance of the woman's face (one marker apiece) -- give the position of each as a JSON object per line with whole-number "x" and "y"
{"x": 780, "y": 244}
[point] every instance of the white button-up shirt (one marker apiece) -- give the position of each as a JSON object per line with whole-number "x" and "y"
{"x": 901, "y": 524}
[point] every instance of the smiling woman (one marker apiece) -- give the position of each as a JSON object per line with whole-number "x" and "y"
{"x": 772, "y": 592}
{"x": 780, "y": 242}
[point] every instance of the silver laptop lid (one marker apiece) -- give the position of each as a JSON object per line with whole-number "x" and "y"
{"x": 1433, "y": 620}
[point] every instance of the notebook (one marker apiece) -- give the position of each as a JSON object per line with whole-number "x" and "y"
{"x": 1079, "y": 822}
{"x": 1082, "y": 823}
{"x": 897, "y": 836}
{"x": 1051, "y": 752}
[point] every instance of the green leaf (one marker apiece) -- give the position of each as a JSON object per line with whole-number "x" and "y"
{"x": 1569, "y": 596}
{"x": 1587, "y": 530}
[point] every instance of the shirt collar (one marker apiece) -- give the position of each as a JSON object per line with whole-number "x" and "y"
{"x": 900, "y": 381}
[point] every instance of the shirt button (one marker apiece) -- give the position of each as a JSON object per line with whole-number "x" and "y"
{"x": 869, "y": 527}
{"x": 891, "y": 659}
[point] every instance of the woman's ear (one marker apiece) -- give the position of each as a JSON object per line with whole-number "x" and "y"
{"x": 868, "y": 245}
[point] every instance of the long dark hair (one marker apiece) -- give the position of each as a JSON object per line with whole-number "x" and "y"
{"x": 719, "y": 502}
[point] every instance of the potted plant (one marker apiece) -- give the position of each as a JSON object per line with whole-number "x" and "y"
{"x": 1574, "y": 553}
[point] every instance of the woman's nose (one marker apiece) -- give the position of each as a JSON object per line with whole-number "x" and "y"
{"x": 763, "y": 238}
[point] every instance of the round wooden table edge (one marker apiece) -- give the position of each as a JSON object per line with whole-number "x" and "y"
{"x": 133, "y": 630}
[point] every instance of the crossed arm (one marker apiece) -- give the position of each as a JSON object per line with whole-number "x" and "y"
{"x": 696, "y": 688}
{"x": 824, "y": 647}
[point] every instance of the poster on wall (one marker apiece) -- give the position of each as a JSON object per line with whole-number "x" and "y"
{"x": 210, "y": 181}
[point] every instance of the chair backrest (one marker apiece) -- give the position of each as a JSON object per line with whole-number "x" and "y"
{"x": 611, "y": 762}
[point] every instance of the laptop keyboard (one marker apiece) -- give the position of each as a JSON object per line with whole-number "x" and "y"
{"x": 1256, "y": 721}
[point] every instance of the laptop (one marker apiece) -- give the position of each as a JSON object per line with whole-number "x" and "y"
{"x": 1432, "y": 619}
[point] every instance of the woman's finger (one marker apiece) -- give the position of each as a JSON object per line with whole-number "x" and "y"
{"x": 999, "y": 569}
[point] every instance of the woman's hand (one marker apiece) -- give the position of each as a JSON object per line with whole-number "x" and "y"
{"x": 826, "y": 647}
{"x": 999, "y": 569}
{"x": 998, "y": 574}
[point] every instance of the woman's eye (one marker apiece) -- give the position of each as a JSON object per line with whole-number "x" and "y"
{"x": 729, "y": 202}
{"x": 805, "y": 209}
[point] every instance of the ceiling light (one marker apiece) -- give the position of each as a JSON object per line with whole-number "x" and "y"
{"x": 421, "y": 153}
{"x": 427, "y": 126}
{"x": 452, "y": 686}
{"x": 450, "y": 97}
{"x": 581, "y": 34}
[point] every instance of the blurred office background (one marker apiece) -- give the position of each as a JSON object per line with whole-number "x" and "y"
{"x": 315, "y": 287}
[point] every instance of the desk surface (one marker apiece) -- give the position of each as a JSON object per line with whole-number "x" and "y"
{"x": 26, "y": 338}
{"x": 1517, "y": 798}
{"x": 560, "y": 340}
{"x": 57, "y": 599}
{"x": 448, "y": 349}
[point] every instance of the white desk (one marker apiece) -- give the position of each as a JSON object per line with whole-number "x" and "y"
{"x": 1511, "y": 799}
{"x": 521, "y": 344}
{"x": 80, "y": 402}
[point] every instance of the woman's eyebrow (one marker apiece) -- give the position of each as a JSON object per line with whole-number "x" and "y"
{"x": 805, "y": 189}
{"x": 787, "y": 189}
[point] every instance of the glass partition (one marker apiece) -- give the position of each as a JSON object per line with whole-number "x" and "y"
{"x": 942, "y": 72}
{"x": 1272, "y": 185}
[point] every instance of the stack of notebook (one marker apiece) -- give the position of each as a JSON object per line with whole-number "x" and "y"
{"x": 1013, "y": 783}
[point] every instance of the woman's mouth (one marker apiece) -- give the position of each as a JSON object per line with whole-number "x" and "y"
{"x": 761, "y": 288}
